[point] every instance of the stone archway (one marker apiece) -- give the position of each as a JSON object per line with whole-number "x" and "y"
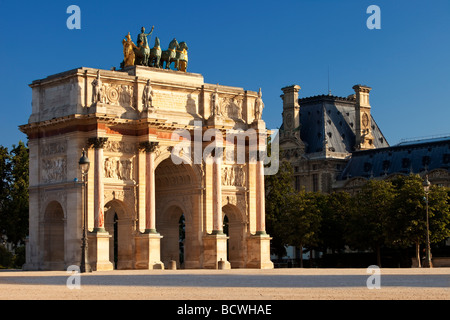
{"x": 54, "y": 225}
{"x": 120, "y": 226}
{"x": 176, "y": 189}
{"x": 236, "y": 231}
{"x": 168, "y": 225}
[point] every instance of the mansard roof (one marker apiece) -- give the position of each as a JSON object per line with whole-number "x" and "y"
{"x": 405, "y": 157}
{"x": 332, "y": 119}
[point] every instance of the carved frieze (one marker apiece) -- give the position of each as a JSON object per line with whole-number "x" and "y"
{"x": 52, "y": 148}
{"x": 120, "y": 147}
{"x": 111, "y": 93}
{"x": 231, "y": 107}
{"x": 54, "y": 170}
{"x": 119, "y": 169}
{"x": 233, "y": 176}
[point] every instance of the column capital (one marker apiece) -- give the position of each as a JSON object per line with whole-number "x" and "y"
{"x": 148, "y": 146}
{"x": 97, "y": 142}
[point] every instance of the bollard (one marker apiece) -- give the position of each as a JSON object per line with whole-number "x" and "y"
{"x": 221, "y": 265}
{"x": 172, "y": 265}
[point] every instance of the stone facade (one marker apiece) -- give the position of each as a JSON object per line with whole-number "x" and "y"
{"x": 319, "y": 135}
{"x": 130, "y": 122}
{"x": 334, "y": 144}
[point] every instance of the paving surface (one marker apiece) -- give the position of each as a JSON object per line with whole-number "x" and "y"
{"x": 235, "y": 284}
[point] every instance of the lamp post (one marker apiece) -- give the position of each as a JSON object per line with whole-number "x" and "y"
{"x": 426, "y": 187}
{"x": 84, "y": 165}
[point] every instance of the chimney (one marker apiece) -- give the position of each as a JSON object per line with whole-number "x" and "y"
{"x": 291, "y": 108}
{"x": 363, "y": 121}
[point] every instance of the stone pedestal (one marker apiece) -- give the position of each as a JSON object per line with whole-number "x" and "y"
{"x": 215, "y": 250}
{"x": 99, "y": 251}
{"x": 258, "y": 252}
{"x": 148, "y": 251}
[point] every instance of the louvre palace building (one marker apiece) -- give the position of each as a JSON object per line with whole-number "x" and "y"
{"x": 334, "y": 143}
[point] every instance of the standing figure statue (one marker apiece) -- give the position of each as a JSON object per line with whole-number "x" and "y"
{"x": 182, "y": 57}
{"x": 215, "y": 104}
{"x": 259, "y": 106}
{"x": 128, "y": 51}
{"x": 98, "y": 93}
{"x": 143, "y": 50}
{"x": 147, "y": 97}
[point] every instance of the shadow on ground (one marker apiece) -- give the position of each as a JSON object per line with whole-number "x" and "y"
{"x": 230, "y": 280}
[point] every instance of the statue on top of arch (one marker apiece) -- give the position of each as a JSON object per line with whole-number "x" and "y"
{"x": 141, "y": 54}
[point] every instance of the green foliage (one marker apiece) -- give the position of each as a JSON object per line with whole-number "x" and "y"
{"x": 302, "y": 219}
{"x": 336, "y": 208}
{"x": 14, "y": 193}
{"x": 383, "y": 214}
{"x": 6, "y": 258}
{"x": 367, "y": 223}
{"x": 439, "y": 214}
{"x": 279, "y": 190}
{"x": 408, "y": 221}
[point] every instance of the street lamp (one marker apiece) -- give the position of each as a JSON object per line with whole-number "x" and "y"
{"x": 84, "y": 165}
{"x": 426, "y": 187}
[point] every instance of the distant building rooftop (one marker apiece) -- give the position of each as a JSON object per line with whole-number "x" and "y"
{"x": 412, "y": 156}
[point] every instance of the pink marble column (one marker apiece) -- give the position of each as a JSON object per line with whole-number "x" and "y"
{"x": 217, "y": 195}
{"x": 260, "y": 199}
{"x": 260, "y": 191}
{"x": 99, "y": 193}
{"x": 150, "y": 208}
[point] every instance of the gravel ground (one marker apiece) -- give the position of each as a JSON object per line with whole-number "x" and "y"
{"x": 235, "y": 284}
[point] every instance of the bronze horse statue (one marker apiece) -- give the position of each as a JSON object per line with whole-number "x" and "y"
{"x": 168, "y": 56}
{"x": 154, "y": 59}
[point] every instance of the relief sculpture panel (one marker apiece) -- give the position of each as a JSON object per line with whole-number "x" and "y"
{"x": 118, "y": 169}
{"x": 233, "y": 176}
{"x": 54, "y": 170}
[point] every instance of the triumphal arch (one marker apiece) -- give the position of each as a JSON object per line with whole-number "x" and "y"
{"x": 159, "y": 189}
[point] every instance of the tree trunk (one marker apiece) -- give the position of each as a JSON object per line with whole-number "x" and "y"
{"x": 301, "y": 255}
{"x": 419, "y": 264}
{"x": 378, "y": 256}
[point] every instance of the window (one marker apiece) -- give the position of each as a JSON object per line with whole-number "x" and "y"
{"x": 297, "y": 183}
{"x": 315, "y": 181}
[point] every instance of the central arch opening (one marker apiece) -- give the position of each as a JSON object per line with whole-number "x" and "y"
{"x": 235, "y": 228}
{"x": 119, "y": 225}
{"x": 175, "y": 189}
{"x": 173, "y": 228}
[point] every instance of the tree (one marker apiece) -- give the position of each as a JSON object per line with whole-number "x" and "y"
{"x": 407, "y": 224}
{"x": 335, "y": 210}
{"x": 14, "y": 194}
{"x": 4, "y": 187}
{"x": 367, "y": 223}
{"x": 302, "y": 220}
{"x": 408, "y": 221}
{"x": 279, "y": 188}
{"x": 439, "y": 213}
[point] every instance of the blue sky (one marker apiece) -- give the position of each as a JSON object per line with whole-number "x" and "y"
{"x": 249, "y": 44}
